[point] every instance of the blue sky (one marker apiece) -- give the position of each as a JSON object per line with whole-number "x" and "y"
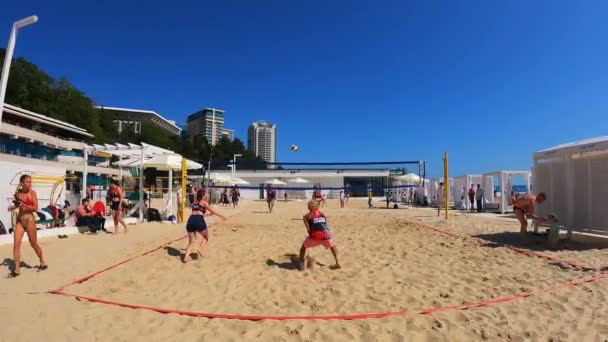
{"x": 489, "y": 81}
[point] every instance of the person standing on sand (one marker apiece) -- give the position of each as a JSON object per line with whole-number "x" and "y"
{"x": 472, "y": 196}
{"x": 26, "y": 202}
{"x": 271, "y": 196}
{"x": 479, "y": 196}
{"x": 197, "y": 225}
{"x": 342, "y": 196}
{"x": 369, "y": 198}
{"x": 440, "y": 199}
{"x": 117, "y": 197}
{"x": 236, "y": 195}
{"x": 523, "y": 209}
{"x": 318, "y": 234}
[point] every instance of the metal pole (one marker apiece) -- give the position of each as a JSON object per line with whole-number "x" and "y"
{"x": 85, "y": 171}
{"x": 446, "y": 183}
{"x": 141, "y": 185}
{"x": 170, "y": 192}
{"x": 182, "y": 200}
{"x": 8, "y": 57}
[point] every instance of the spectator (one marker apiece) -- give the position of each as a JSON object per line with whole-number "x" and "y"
{"x": 440, "y": 199}
{"x": 342, "y": 199}
{"x": 472, "y": 196}
{"x": 479, "y": 197}
{"x": 388, "y": 199}
{"x": 85, "y": 217}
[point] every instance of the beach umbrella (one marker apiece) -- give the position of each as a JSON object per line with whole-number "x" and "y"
{"x": 409, "y": 178}
{"x": 171, "y": 161}
{"x": 238, "y": 181}
{"x": 274, "y": 182}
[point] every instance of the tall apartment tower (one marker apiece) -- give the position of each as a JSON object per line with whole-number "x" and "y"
{"x": 208, "y": 123}
{"x": 262, "y": 140}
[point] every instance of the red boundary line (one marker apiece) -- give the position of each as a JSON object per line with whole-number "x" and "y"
{"x": 60, "y": 290}
{"x": 87, "y": 277}
{"x": 238, "y": 317}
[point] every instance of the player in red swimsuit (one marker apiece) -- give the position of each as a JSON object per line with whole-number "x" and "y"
{"x": 26, "y": 202}
{"x": 318, "y": 234}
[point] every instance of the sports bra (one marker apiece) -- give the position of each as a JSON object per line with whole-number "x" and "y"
{"x": 198, "y": 207}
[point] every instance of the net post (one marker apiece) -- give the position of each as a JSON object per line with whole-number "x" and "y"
{"x": 182, "y": 200}
{"x": 446, "y": 183}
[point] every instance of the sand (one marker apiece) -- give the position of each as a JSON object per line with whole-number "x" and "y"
{"x": 391, "y": 263}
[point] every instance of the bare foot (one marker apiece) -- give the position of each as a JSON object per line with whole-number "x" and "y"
{"x": 335, "y": 267}
{"x": 301, "y": 265}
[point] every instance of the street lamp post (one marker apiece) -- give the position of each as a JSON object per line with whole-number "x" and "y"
{"x": 234, "y": 164}
{"x": 9, "y": 56}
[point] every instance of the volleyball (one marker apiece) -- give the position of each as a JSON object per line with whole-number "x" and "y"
{"x": 294, "y": 148}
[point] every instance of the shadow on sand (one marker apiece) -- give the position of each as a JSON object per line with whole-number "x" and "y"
{"x": 292, "y": 264}
{"x": 536, "y": 242}
{"x": 10, "y": 263}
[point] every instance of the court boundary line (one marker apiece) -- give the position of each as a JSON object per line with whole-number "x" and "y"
{"x": 577, "y": 282}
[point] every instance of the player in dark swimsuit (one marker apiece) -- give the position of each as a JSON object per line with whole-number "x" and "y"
{"x": 197, "y": 226}
{"x": 116, "y": 197}
{"x": 26, "y": 202}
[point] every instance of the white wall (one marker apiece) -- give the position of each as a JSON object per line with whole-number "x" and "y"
{"x": 9, "y": 183}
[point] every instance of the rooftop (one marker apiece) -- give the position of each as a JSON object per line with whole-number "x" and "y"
{"x": 143, "y": 112}
{"x": 45, "y": 120}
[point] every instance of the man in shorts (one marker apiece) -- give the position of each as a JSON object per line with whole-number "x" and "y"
{"x": 523, "y": 209}
{"x": 271, "y": 196}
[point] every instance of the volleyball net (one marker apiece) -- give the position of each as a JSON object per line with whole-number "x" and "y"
{"x": 300, "y": 179}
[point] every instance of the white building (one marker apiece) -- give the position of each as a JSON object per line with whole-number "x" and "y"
{"x": 48, "y": 149}
{"x": 299, "y": 184}
{"x": 262, "y": 140}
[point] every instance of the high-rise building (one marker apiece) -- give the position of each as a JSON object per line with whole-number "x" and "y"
{"x": 262, "y": 140}
{"x": 208, "y": 123}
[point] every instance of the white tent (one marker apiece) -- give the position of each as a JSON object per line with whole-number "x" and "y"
{"x": 131, "y": 151}
{"x": 434, "y": 189}
{"x": 409, "y": 179}
{"x": 465, "y": 182}
{"x": 501, "y": 201}
{"x": 298, "y": 180}
{"x": 575, "y": 178}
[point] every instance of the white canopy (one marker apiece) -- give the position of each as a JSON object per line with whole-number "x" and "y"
{"x": 299, "y": 180}
{"x": 239, "y": 181}
{"x": 409, "y": 178}
{"x": 275, "y": 181}
{"x": 171, "y": 161}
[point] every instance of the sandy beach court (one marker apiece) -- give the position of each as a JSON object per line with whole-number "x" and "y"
{"x": 391, "y": 263}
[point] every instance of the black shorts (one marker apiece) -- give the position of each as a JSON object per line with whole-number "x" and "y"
{"x": 196, "y": 223}
{"x": 115, "y": 206}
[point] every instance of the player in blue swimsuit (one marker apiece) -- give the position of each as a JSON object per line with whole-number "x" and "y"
{"x": 197, "y": 225}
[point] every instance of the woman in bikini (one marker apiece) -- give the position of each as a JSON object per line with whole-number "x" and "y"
{"x": 117, "y": 197}
{"x": 26, "y": 202}
{"x": 197, "y": 226}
